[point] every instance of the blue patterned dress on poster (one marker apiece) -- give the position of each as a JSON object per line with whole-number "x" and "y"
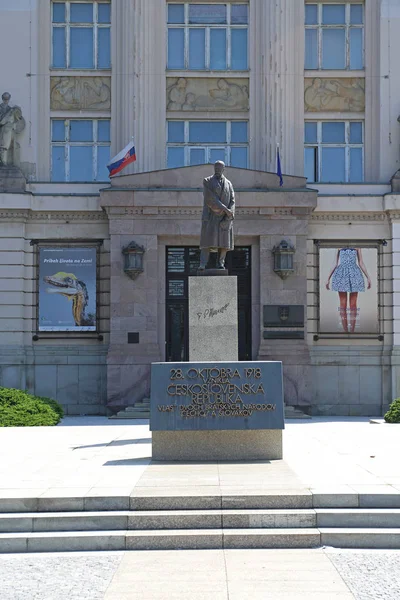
{"x": 348, "y": 277}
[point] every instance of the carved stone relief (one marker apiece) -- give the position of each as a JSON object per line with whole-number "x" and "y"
{"x": 219, "y": 94}
{"x": 80, "y": 93}
{"x": 324, "y": 94}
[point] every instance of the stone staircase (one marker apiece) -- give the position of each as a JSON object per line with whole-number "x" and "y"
{"x": 140, "y": 410}
{"x": 188, "y": 522}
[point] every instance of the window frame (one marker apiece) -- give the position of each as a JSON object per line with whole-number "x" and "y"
{"x": 66, "y": 25}
{"x": 347, "y": 145}
{"x": 207, "y": 146}
{"x": 66, "y": 144}
{"x": 228, "y": 26}
{"x": 347, "y": 26}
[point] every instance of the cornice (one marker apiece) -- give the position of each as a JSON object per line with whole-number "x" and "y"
{"x": 367, "y": 216}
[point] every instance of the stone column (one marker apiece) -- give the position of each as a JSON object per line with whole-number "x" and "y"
{"x": 138, "y": 81}
{"x": 277, "y": 84}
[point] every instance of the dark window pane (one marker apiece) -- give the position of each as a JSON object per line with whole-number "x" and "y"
{"x": 311, "y": 50}
{"x": 58, "y": 131}
{"x": 176, "y": 288}
{"x": 356, "y": 14}
{"x": 207, "y": 13}
{"x": 81, "y": 48}
{"x": 58, "y": 163}
{"x": 333, "y": 133}
{"x": 81, "y": 163}
{"x": 333, "y": 165}
{"x": 104, "y": 13}
{"x": 197, "y": 52}
{"x": 333, "y": 49}
{"x": 207, "y": 132}
{"x": 218, "y": 49}
{"x": 197, "y": 156}
{"x": 310, "y": 164}
{"x": 239, "y": 50}
{"x": 104, "y": 49}
{"x": 239, "y": 14}
{"x": 176, "y": 131}
{"x": 239, "y": 157}
{"x": 356, "y": 167}
{"x": 81, "y": 13}
{"x": 356, "y": 49}
{"x": 81, "y": 131}
{"x": 59, "y": 12}
{"x": 310, "y": 133}
{"x": 176, "y": 158}
{"x": 176, "y": 260}
{"x": 59, "y": 56}
{"x": 103, "y": 131}
{"x": 356, "y": 133}
{"x": 216, "y": 154}
{"x": 176, "y": 13}
{"x": 311, "y": 14}
{"x": 239, "y": 132}
{"x": 333, "y": 14}
{"x": 103, "y": 157}
{"x": 176, "y": 54}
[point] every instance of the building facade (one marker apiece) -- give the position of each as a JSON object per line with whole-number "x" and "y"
{"x": 94, "y": 273}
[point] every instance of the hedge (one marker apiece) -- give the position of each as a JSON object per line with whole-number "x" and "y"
{"x": 20, "y": 409}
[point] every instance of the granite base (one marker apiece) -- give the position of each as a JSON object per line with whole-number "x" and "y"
{"x": 260, "y": 444}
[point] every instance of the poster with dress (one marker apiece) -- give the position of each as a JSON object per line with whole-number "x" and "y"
{"x": 348, "y": 287}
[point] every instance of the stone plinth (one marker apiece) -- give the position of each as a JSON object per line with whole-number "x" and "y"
{"x": 213, "y": 319}
{"x": 217, "y": 445}
{"x": 12, "y": 179}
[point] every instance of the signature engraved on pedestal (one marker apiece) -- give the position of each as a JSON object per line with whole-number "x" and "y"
{"x": 208, "y": 313}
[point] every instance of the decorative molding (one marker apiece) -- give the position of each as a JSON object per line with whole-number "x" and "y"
{"x": 349, "y": 216}
{"x": 31, "y": 215}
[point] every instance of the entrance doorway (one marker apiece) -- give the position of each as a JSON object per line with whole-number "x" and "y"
{"x": 182, "y": 262}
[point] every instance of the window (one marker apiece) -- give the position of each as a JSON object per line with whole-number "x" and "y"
{"x": 80, "y": 149}
{"x": 81, "y": 35}
{"x": 207, "y": 36}
{"x": 334, "y": 36}
{"x": 201, "y": 142}
{"x": 334, "y": 151}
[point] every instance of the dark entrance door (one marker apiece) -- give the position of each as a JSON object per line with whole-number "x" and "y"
{"x": 182, "y": 262}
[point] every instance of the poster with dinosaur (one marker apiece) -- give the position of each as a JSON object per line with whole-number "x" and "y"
{"x": 67, "y": 289}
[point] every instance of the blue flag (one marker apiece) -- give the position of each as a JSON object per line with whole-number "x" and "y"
{"x": 278, "y": 167}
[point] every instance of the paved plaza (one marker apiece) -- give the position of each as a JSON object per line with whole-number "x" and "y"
{"x": 94, "y": 456}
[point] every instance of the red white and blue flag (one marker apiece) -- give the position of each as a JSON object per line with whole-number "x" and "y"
{"x": 122, "y": 160}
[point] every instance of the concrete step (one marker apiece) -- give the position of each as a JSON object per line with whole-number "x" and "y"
{"x": 346, "y": 537}
{"x": 358, "y": 517}
{"x": 218, "y": 538}
{"x": 139, "y": 520}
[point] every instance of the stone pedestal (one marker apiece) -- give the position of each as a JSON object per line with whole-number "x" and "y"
{"x": 213, "y": 319}
{"x": 12, "y": 180}
{"x": 234, "y": 410}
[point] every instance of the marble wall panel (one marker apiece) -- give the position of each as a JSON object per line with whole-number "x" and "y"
{"x": 207, "y": 94}
{"x": 80, "y": 93}
{"x": 326, "y": 94}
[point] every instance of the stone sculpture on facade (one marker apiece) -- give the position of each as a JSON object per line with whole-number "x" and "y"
{"x": 80, "y": 93}
{"x": 193, "y": 94}
{"x": 11, "y": 124}
{"x": 218, "y": 215}
{"x": 334, "y": 94}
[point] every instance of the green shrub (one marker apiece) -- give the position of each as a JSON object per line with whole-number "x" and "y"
{"x": 20, "y": 409}
{"x": 393, "y": 414}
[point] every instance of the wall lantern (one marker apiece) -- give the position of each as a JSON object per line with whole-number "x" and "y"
{"x": 133, "y": 259}
{"x": 283, "y": 259}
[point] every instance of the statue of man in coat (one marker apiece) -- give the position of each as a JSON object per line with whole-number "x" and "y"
{"x": 218, "y": 214}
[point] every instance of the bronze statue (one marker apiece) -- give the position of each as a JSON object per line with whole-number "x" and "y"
{"x": 218, "y": 215}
